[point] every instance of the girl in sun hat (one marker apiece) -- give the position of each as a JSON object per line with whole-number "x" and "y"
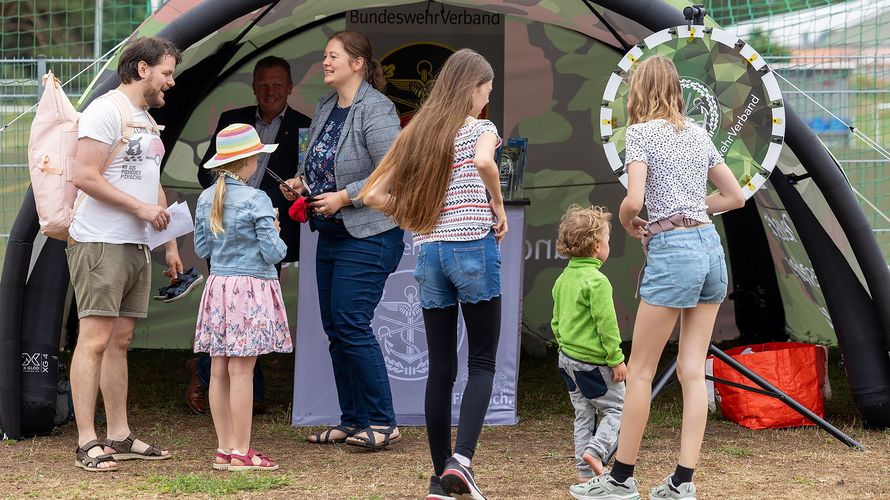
{"x": 242, "y": 313}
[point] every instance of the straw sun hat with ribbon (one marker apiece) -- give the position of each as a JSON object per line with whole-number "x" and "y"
{"x": 237, "y": 141}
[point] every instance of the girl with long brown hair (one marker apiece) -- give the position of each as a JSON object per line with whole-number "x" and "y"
{"x": 669, "y": 162}
{"x": 433, "y": 181}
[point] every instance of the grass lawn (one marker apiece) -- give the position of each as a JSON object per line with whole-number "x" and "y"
{"x": 530, "y": 460}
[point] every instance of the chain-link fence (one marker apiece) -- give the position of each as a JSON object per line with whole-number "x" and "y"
{"x": 67, "y": 28}
{"x": 833, "y": 58}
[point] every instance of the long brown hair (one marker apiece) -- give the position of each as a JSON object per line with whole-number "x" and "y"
{"x": 421, "y": 158}
{"x": 219, "y": 197}
{"x": 357, "y": 44}
{"x": 655, "y": 93}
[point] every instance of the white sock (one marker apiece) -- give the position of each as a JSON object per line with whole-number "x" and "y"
{"x": 462, "y": 459}
{"x": 224, "y": 452}
{"x": 236, "y": 452}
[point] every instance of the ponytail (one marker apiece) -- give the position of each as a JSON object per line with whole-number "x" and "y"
{"x": 216, "y": 210}
{"x": 374, "y": 75}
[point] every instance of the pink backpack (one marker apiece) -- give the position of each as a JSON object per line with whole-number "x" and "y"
{"x": 52, "y": 149}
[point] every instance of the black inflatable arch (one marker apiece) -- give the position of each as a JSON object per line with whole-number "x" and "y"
{"x": 31, "y": 307}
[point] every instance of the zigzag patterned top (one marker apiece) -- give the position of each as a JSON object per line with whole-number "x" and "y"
{"x": 466, "y": 214}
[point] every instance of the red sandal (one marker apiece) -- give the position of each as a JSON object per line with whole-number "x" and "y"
{"x": 222, "y": 465}
{"x": 266, "y": 463}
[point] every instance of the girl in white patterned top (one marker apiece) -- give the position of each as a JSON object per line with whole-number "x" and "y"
{"x": 466, "y": 214}
{"x": 433, "y": 181}
{"x": 669, "y": 161}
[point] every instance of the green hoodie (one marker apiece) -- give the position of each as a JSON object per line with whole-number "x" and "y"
{"x": 584, "y": 321}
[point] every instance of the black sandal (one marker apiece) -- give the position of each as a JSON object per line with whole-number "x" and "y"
{"x": 369, "y": 440}
{"x": 123, "y": 450}
{"x": 324, "y": 437}
{"x": 91, "y": 464}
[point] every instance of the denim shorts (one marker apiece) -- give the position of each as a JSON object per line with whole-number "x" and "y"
{"x": 685, "y": 267}
{"x": 449, "y": 272}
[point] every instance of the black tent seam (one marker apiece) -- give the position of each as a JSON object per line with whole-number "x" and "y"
{"x": 608, "y": 26}
{"x": 271, "y": 43}
{"x": 254, "y": 22}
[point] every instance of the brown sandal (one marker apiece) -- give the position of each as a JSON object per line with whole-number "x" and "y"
{"x": 91, "y": 464}
{"x": 123, "y": 450}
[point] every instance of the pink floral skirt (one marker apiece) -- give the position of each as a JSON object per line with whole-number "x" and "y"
{"x": 242, "y": 316}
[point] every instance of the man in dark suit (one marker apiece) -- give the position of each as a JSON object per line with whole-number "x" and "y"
{"x": 277, "y": 123}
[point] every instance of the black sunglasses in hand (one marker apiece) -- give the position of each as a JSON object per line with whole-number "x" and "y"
{"x": 283, "y": 183}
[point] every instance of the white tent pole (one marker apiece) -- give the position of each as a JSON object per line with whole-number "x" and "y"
{"x": 97, "y": 31}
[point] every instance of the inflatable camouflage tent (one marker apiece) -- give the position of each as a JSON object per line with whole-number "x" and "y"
{"x": 804, "y": 262}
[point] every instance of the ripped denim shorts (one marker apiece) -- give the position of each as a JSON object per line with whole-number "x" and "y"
{"x": 449, "y": 272}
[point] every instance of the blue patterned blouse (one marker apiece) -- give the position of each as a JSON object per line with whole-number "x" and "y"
{"x": 320, "y": 163}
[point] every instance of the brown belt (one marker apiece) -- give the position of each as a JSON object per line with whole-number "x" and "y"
{"x": 666, "y": 224}
{"x": 661, "y": 225}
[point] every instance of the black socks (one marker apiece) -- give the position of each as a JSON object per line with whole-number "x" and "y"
{"x": 621, "y": 471}
{"x": 681, "y": 475}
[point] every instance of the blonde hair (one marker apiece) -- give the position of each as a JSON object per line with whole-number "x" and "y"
{"x": 580, "y": 229}
{"x": 219, "y": 197}
{"x": 655, "y": 93}
{"x": 421, "y": 157}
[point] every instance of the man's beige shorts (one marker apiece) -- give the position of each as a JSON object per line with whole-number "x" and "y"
{"x": 110, "y": 279}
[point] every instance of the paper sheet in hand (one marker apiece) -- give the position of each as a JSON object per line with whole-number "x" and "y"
{"x": 180, "y": 223}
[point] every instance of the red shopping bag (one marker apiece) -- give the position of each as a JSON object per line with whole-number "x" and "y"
{"x": 794, "y": 368}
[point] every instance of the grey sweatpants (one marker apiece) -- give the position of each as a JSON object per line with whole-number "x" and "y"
{"x": 592, "y": 392}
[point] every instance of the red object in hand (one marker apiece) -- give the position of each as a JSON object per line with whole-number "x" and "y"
{"x": 299, "y": 211}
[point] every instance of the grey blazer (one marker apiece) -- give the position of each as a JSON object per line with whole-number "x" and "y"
{"x": 370, "y": 128}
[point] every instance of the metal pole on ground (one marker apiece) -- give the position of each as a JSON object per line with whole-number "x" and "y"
{"x": 767, "y": 390}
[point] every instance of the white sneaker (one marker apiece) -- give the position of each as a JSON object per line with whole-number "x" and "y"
{"x": 686, "y": 491}
{"x": 604, "y": 487}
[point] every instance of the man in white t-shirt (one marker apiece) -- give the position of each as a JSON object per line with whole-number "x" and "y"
{"x": 108, "y": 255}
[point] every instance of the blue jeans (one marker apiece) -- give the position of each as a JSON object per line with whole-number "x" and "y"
{"x": 351, "y": 273}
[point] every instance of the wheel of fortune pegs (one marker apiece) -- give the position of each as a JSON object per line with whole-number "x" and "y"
{"x": 728, "y": 89}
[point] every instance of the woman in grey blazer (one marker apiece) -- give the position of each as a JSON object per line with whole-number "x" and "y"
{"x": 353, "y": 128}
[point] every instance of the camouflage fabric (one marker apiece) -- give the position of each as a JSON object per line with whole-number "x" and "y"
{"x": 557, "y": 58}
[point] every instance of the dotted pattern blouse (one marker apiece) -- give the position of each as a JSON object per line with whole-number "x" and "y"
{"x": 677, "y": 164}
{"x": 466, "y": 214}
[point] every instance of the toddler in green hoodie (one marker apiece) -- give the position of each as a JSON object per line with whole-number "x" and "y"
{"x": 586, "y": 329}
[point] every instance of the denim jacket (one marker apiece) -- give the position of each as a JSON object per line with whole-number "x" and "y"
{"x": 250, "y": 245}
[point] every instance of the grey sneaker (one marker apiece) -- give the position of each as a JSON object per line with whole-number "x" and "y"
{"x": 603, "y": 487}
{"x": 458, "y": 481}
{"x": 436, "y": 492}
{"x": 686, "y": 491}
